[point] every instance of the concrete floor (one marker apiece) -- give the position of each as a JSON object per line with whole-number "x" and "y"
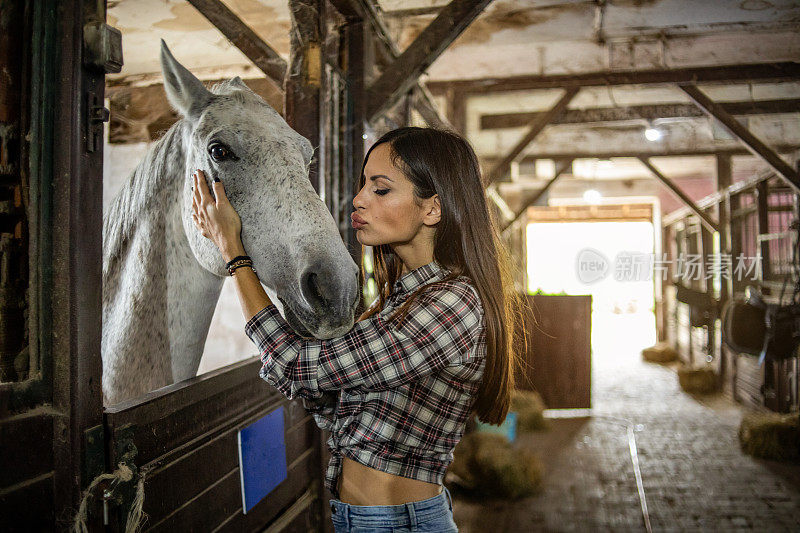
{"x": 694, "y": 476}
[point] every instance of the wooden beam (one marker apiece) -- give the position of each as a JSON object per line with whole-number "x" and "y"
{"x": 243, "y": 38}
{"x": 534, "y": 128}
{"x": 562, "y": 167}
{"x": 752, "y": 142}
{"x": 704, "y": 218}
{"x": 643, "y": 112}
{"x": 386, "y": 48}
{"x": 786, "y": 71}
{"x": 399, "y": 77}
{"x": 674, "y": 152}
{"x": 349, "y": 9}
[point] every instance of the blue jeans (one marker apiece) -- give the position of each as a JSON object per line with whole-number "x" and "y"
{"x": 433, "y": 514}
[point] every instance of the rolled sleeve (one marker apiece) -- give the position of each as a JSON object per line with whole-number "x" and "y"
{"x": 441, "y": 328}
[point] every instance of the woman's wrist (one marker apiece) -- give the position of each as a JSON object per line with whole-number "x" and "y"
{"x": 229, "y": 251}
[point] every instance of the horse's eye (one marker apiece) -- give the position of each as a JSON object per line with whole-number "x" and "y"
{"x": 220, "y": 152}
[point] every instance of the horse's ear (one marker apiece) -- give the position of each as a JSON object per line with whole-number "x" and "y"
{"x": 187, "y": 95}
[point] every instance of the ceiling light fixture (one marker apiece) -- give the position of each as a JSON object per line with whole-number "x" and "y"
{"x": 652, "y": 134}
{"x": 592, "y": 196}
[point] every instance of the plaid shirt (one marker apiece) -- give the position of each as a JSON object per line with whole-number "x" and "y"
{"x": 395, "y": 395}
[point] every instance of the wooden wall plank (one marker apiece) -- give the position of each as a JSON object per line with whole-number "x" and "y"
{"x": 209, "y": 509}
{"x": 184, "y": 479}
{"x": 32, "y": 507}
{"x": 27, "y": 452}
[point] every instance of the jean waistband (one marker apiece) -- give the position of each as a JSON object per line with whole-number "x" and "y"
{"x": 407, "y": 514}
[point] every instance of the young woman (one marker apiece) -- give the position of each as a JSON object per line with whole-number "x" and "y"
{"x": 396, "y": 391}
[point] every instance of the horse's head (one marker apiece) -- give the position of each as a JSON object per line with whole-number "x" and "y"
{"x": 233, "y": 134}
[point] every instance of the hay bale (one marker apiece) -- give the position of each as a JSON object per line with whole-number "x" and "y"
{"x": 771, "y": 435}
{"x": 697, "y": 380}
{"x": 660, "y": 352}
{"x": 530, "y": 410}
{"x": 488, "y": 464}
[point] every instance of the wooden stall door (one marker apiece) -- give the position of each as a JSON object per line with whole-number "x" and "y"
{"x": 181, "y": 442}
{"x": 557, "y": 363}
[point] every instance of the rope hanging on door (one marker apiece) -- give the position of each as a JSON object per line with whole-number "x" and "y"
{"x": 123, "y": 473}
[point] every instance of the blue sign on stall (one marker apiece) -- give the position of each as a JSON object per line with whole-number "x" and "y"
{"x": 262, "y": 458}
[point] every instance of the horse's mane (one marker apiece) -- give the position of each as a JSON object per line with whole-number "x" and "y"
{"x": 145, "y": 184}
{"x": 147, "y": 180}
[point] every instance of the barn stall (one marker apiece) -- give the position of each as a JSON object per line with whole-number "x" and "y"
{"x": 552, "y": 112}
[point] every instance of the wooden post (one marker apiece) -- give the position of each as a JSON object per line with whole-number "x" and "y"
{"x": 354, "y": 63}
{"x": 762, "y": 192}
{"x": 304, "y": 98}
{"x": 726, "y": 290}
{"x": 724, "y": 181}
{"x": 661, "y": 307}
{"x": 305, "y": 80}
{"x": 457, "y": 111}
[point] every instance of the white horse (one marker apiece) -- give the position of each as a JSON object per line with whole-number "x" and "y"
{"x": 162, "y": 278}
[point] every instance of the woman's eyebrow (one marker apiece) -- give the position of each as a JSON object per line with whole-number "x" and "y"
{"x": 376, "y": 176}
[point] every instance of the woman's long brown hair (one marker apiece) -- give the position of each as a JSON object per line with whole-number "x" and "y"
{"x": 466, "y": 242}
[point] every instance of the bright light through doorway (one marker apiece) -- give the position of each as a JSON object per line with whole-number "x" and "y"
{"x": 623, "y": 312}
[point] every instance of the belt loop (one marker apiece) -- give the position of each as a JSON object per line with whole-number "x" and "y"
{"x": 449, "y": 499}
{"x": 412, "y": 516}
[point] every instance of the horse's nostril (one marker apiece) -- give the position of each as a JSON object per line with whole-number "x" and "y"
{"x": 311, "y": 289}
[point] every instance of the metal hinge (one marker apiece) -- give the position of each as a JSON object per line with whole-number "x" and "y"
{"x": 96, "y": 115}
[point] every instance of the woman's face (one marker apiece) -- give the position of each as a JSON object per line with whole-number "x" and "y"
{"x": 385, "y": 204}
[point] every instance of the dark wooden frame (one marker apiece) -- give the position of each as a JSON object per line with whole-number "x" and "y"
{"x": 61, "y": 402}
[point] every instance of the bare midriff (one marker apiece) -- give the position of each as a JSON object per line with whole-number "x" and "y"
{"x": 362, "y": 485}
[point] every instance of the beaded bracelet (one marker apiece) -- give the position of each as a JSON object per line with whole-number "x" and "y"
{"x": 233, "y": 268}
{"x": 233, "y": 265}
{"x": 238, "y": 257}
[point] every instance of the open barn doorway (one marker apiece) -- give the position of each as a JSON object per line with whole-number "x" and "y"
{"x": 611, "y": 259}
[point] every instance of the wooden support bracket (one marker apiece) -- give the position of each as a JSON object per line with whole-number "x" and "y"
{"x": 560, "y": 169}
{"x": 244, "y": 38}
{"x": 753, "y": 143}
{"x": 399, "y": 77}
{"x": 535, "y": 127}
{"x": 706, "y": 220}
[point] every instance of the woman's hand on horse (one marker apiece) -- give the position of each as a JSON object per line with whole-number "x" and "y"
{"x": 215, "y": 217}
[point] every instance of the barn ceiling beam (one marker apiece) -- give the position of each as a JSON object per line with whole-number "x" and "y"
{"x": 364, "y": 10}
{"x": 706, "y": 220}
{"x": 562, "y": 167}
{"x": 534, "y": 128}
{"x": 400, "y": 76}
{"x": 642, "y": 112}
{"x": 753, "y": 143}
{"x": 688, "y": 152}
{"x": 244, "y": 38}
{"x": 785, "y": 71}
